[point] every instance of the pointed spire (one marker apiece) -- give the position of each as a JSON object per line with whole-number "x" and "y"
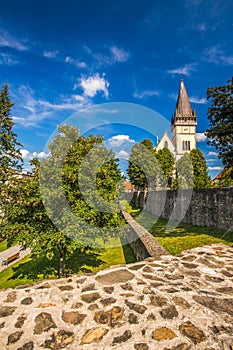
{"x": 183, "y": 106}
{"x": 194, "y": 112}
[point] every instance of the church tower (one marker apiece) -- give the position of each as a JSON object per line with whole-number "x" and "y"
{"x": 183, "y": 126}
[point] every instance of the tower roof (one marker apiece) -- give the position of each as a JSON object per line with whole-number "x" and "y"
{"x": 183, "y": 106}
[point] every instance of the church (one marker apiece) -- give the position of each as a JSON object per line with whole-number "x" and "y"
{"x": 183, "y": 127}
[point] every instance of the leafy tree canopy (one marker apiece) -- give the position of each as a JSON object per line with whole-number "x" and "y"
{"x": 144, "y": 169}
{"x": 223, "y": 179}
{"x": 220, "y": 115}
{"x": 184, "y": 172}
{"x": 200, "y": 169}
{"x": 192, "y": 171}
{"x": 148, "y": 144}
{"x": 167, "y": 161}
{"x": 73, "y": 214}
{"x": 10, "y": 156}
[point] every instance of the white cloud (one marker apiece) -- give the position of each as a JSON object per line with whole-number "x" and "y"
{"x": 201, "y": 137}
{"x": 27, "y": 155}
{"x": 41, "y": 155}
{"x": 30, "y": 110}
{"x": 100, "y": 110}
{"x": 193, "y": 99}
{"x": 79, "y": 98}
{"x": 119, "y": 55}
{"x": 212, "y": 54}
{"x": 146, "y": 93}
{"x": 24, "y": 153}
{"x": 201, "y": 27}
{"x": 215, "y": 168}
{"x": 68, "y": 59}
{"x": 212, "y": 153}
{"x": 110, "y": 57}
{"x": 216, "y": 55}
{"x": 66, "y": 104}
{"x": 185, "y": 70}
{"x": 198, "y": 100}
{"x": 75, "y": 63}
{"x": 81, "y": 64}
{"x": 7, "y": 40}
{"x": 8, "y": 59}
{"x": 50, "y": 54}
{"x": 122, "y": 154}
{"x": 118, "y": 140}
{"x": 18, "y": 119}
{"x": 93, "y": 84}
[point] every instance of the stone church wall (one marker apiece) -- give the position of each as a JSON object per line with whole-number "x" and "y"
{"x": 211, "y": 207}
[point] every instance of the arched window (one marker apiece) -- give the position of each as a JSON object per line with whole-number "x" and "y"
{"x": 186, "y": 145}
{"x": 165, "y": 145}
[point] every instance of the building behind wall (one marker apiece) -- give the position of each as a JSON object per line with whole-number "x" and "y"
{"x": 183, "y": 127}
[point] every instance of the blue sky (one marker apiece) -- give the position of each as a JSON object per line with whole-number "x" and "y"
{"x": 60, "y": 57}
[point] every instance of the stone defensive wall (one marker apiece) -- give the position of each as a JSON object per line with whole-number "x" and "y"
{"x": 211, "y": 207}
{"x": 141, "y": 241}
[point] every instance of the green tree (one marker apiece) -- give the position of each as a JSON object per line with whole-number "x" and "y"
{"x": 220, "y": 114}
{"x": 223, "y": 179}
{"x": 28, "y": 221}
{"x": 69, "y": 220}
{"x": 148, "y": 144}
{"x": 136, "y": 175}
{"x": 10, "y": 156}
{"x": 200, "y": 169}
{"x": 91, "y": 172}
{"x": 167, "y": 162}
{"x": 144, "y": 169}
{"x": 184, "y": 172}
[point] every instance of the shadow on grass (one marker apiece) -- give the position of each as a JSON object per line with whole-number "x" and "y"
{"x": 183, "y": 230}
{"x": 41, "y": 267}
{"x": 83, "y": 262}
{"x": 127, "y": 251}
{"x": 159, "y": 228}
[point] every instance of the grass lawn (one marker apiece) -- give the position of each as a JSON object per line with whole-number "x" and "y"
{"x": 182, "y": 237}
{"x": 3, "y": 245}
{"x": 32, "y": 269}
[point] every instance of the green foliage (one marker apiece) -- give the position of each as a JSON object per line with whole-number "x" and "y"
{"x": 90, "y": 170}
{"x": 27, "y": 219}
{"x": 200, "y": 169}
{"x": 10, "y": 156}
{"x": 221, "y": 121}
{"x": 167, "y": 161}
{"x": 69, "y": 220}
{"x": 148, "y": 144}
{"x": 137, "y": 177}
{"x": 3, "y": 245}
{"x": 148, "y": 168}
{"x": 184, "y": 172}
{"x": 224, "y": 179}
{"x": 192, "y": 171}
{"x": 144, "y": 169}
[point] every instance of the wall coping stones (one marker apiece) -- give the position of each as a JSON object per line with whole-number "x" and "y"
{"x": 142, "y": 242}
